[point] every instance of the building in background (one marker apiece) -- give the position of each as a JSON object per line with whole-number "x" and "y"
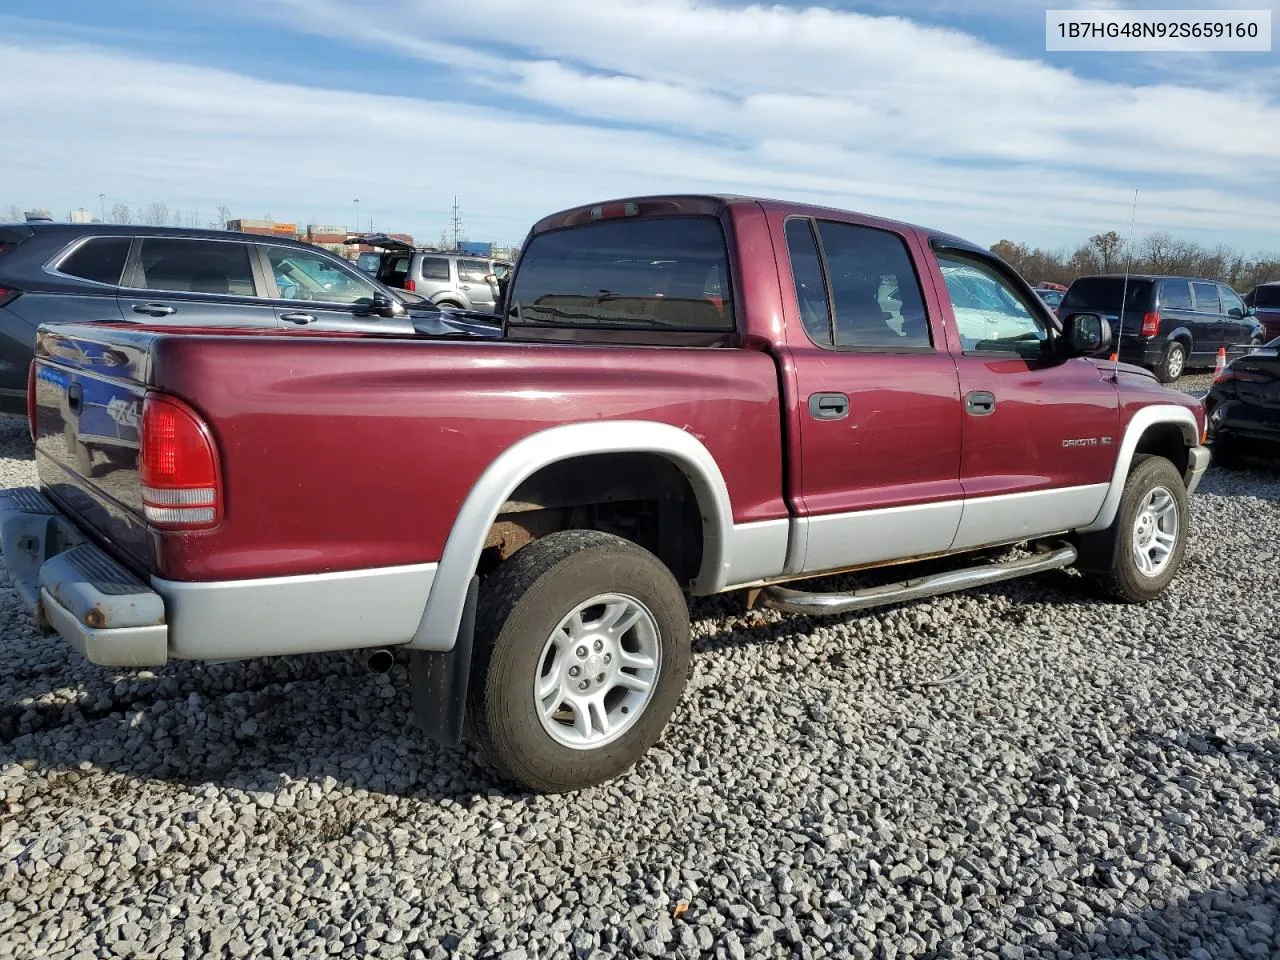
{"x": 267, "y": 228}
{"x": 80, "y": 216}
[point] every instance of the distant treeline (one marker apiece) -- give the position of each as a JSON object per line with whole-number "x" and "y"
{"x": 1154, "y": 253}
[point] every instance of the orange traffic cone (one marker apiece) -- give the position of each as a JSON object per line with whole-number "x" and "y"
{"x": 1222, "y": 361}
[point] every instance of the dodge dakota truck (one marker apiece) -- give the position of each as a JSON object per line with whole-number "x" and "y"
{"x": 691, "y": 395}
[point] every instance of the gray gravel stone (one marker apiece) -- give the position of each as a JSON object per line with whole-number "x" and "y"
{"x": 1095, "y": 780}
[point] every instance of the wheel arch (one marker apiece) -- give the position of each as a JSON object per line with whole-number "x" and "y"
{"x": 1164, "y": 429}
{"x": 514, "y": 466}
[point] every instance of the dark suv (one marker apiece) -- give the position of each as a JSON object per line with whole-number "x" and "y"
{"x": 65, "y": 272}
{"x": 1170, "y": 323}
{"x": 1265, "y": 300}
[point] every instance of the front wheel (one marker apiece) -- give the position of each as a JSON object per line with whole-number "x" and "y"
{"x": 1151, "y": 531}
{"x": 582, "y": 652}
{"x": 1174, "y": 362}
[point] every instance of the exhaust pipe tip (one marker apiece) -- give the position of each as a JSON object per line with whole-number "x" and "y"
{"x": 380, "y": 661}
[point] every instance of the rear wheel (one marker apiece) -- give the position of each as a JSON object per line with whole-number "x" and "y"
{"x": 1173, "y": 363}
{"x": 449, "y": 305}
{"x": 582, "y": 652}
{"x": 1150, "y": 531}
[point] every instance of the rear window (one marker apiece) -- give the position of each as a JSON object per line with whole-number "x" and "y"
{"x": 662, "y": 273}
{"x": 1104, "y": 293}
{"x": 100, "y": 260}
{"x": 1267, "y": 298}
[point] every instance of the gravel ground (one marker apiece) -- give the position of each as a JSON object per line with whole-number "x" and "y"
{"x": 1017, "y": 772}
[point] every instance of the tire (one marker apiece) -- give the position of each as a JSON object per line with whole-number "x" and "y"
{"x": 519, "y": 615}
{"x": 1124, "y": 580}
{"x": 1174, "y": 362}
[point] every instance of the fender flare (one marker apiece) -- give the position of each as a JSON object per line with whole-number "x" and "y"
{"x": 1142, "y": 420}
{"x": 1182, "y": 333}
{"x": 442, "y": 616}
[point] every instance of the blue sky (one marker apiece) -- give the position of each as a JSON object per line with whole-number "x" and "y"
{"x": 943, "y": 113}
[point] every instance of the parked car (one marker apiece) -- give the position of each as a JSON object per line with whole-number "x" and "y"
{"x": 1265, "y": 301}
{"x": 692, "y": 395}
{"x": 448, "y": 279}
{"x": 1171, "y": 324}
{"x": 1243, "y": 408}
{"x": 1051, "y": 298}
{"x": 67, "y": 272}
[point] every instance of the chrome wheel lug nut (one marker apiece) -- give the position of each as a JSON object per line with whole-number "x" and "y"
{"x": 584, "y": 684}
{"x": 608, "y": 658}
{"x": 599, "y": 645}
{"x": 574, "y": 671}
{"x": 582, "y": 653}
{"x": 600, "y": 678}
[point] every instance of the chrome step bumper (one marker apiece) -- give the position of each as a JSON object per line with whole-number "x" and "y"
{"x": 71, "y": 587}
{"x": 830, "y": 604}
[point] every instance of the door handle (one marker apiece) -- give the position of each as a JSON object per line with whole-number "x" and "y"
{"x": 463, "y": 286}
{"x": 980, "y": 403}
{"x": 298, "y": 318}
{"x": 828, "y": 406}
{"x": 75, "y": 397}
{"x": 154, "y": 309}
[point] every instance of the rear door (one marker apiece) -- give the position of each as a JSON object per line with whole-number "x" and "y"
{"x": 879, "y": 417}
{"x": 1208, "y": 312}
{"x": 1178, "y": 312}
{"x": 1039, "y": 435}
{"x": 310, "y": 290}
{"x": 473, "y": 282}
{"x": 194, "y": 282}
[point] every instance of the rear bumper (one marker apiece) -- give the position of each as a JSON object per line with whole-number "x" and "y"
{"x": 1142, "y": 351}
{"x": 72, "y": 587}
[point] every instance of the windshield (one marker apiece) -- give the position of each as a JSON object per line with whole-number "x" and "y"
{"x": 1103, "y": 293}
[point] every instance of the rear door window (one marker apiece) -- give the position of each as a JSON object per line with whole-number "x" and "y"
{"x": 1206, "y": 297}
{"x": 472, "y": 271}
{"x": 878, "y": 303}
{"x": 650, "y": 274}
{"x": 195, "y": 266}
{"x": 1175, "y": 295}
{"x": 435, "y": 268}
{"x": 810, "y": 284}
{"x": 100, "y": 259}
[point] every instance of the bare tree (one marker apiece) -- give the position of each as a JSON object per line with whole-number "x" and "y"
{"x": 156, "y": 215}
{"x": 13, "y": 214}
{"x": 120, "y": 213}
{"x": 1108, "y": 245}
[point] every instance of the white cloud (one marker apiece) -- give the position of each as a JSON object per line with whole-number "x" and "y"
{"x": 875, "y": 113}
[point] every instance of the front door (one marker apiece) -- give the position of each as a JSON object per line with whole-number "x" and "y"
{"x": 879, "y": 407}
{"x": 1040, "y": 434}
{"x": 1213, "y": 321}
{"x": 1239, "y": 328}
{"x": 312, "y": 292}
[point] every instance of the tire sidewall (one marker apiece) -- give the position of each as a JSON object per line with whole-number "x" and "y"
{"x": 510, "y": 707}
{"x": 1166, "y": 368}
{"x": 1152, "y": 472}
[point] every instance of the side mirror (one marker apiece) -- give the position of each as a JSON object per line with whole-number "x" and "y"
{"x": 490, "y": 278}
{"x": 1236, "y": 313}
{"x": 1086, "y": 335}
{"x": 385, "y": 306}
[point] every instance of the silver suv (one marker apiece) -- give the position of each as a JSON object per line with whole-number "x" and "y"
{"x": 447, "y": 279}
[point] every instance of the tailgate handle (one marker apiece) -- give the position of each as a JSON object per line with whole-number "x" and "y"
{"x": 154, "y": 309}
{"x": 75, "y": 397}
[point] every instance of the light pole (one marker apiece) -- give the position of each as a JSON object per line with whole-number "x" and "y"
{"x": 102, "y": 207}
{"x": 357, "y": 203}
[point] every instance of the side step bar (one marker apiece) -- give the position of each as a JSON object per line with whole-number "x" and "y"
{"x": 827, "y": 604}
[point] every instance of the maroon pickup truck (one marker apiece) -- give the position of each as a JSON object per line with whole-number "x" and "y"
{"x": 692, "y": 395}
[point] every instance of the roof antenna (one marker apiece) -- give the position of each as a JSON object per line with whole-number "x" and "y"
{"x": 1124, "y": 289}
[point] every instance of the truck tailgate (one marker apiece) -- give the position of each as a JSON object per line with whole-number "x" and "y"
{"x": 88, "y": 402}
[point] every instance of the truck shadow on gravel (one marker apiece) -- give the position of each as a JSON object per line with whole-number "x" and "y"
{"x": 1235, "y": 921}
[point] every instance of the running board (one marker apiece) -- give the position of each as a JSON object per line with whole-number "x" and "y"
{"x": 826, "y": 604}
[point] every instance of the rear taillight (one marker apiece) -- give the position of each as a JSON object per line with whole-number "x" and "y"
{"x": 8, "y": 295}
{"x": 181, "y": 485}
{"x": 31, "y": 400}
{"x": 410, "y": 285}
{"x": 1150, "y": 324}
